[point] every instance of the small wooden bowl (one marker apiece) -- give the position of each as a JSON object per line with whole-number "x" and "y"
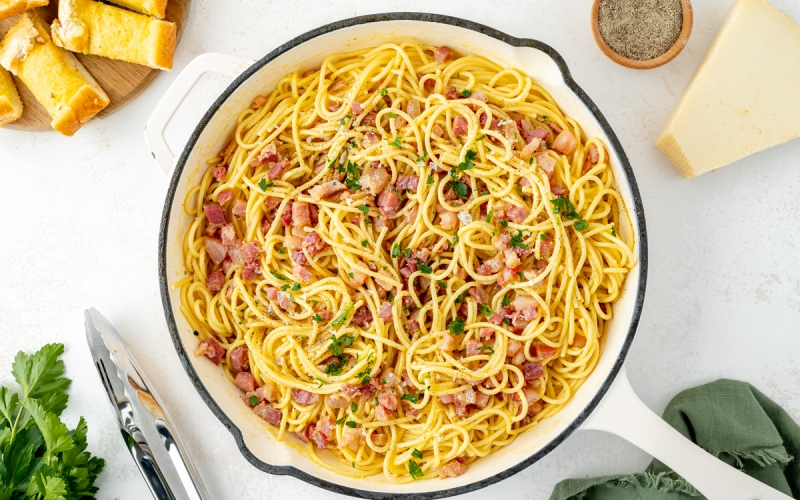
{"x": 680, "y": 43}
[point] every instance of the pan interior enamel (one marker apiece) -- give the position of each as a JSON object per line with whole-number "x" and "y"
{"x": 216, "y": 134}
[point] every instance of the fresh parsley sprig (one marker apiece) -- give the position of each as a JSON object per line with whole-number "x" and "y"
{"x": 40, "y": 457}
{"x": 563, "y": 207}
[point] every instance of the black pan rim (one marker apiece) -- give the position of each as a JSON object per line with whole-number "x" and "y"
{"x": 376, "y": 18}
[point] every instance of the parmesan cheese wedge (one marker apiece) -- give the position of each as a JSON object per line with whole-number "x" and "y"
{"x": 743, "y": 98}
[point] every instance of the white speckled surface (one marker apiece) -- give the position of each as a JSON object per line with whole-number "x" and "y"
{"x": 81, "y": 229}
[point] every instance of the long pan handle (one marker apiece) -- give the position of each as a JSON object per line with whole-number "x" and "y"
{"x": 622, "y": 413}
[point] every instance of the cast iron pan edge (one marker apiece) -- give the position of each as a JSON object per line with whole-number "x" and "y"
{"x": 400, "y": 16}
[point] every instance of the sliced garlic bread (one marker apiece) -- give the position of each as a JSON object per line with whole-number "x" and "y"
{"x": 96, "y": 28}
{"x": 10, "y": 104}
{"x": 156, "y": 8}
{"x": 54, "y": 76}
{"x": 10, "y": 8}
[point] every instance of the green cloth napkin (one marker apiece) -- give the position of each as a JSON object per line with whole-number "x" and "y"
{"x": 731, "y": 420}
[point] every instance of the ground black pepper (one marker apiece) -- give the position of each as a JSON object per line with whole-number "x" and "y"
{"x": 640, "y": 29}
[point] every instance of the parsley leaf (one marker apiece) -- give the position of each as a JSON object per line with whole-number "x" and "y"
{"x": 396, "y": 251}
{"x": 279, "y": 276}
{"x": 317, "y": 318}
{"x": 363, "y": 209}
{"x": 489, "y": 216}
{"x": 429, "y": 181}
{"x": 613, "y": 233}
{"x": 284, "y": 287}
{"x": 416, "y": 453}
{"x": 340, "y": 421}
{"x": 563, "y": 207}
{"x": 422, "y": 158}
{"x": 459, "y": 188}
{"x": 384, "y": 92}
{"x": 506, "y": 301}
{"x": 466, "y": 92}
{"x": 580, "y": 225}
{"x": 340, "y": 319}
{"x": 424, "y": 268}
{"x": 456, "y": 326}
{"x": 410, "y": 397}
{"x": 351, "y": 424}
{"x": 516, "y": 241}
{"x": 392, "y": 115}
{"x": 397, "y": 143}
{"x": 486, "y": 348}
{"x": 543, "y": 236}
{"x": 352, "y": 177}
{"x": 414, "y": 470}
{"x": 364, "y": 243}
{"x": 480, "y": 137}
{"x": 484, "y": 309}
{"x": 263, "y": 184}
{"x": 454, "y": 242}
{"x": 296, "y": 287}
{"x": 353, "y": 407}
{"x": 253, "y": 400}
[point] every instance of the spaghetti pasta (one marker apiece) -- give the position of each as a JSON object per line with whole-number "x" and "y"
{"x": 406, "y": 258}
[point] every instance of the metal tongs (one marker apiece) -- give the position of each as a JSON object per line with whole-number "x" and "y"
{"x": 140, "y": 412}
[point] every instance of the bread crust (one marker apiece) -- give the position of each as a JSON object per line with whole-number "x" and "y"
{"x": 55, "y": 77}
{"x": 10, "y": 8}
{"x": 10, "y": 103}
{"x": 155, "y": 8}
{"x": 91, "y": 27}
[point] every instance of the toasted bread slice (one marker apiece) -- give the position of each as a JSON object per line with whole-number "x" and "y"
{"x": 10, "y": 104}
{"x": 10, "y": 8}
{"x": 54, "y": 76}
{"x": 96, "y": 28}
{"x": 155, "y": 8}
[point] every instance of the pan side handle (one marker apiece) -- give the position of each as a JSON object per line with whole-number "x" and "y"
{"x": 176, "y": 94}
{"x": 621, "y": 412}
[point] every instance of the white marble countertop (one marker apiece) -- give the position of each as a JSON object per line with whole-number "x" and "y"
{"x": 82, "y": 215}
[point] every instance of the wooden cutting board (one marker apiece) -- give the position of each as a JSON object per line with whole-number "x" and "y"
{"x": 121, "y": 80}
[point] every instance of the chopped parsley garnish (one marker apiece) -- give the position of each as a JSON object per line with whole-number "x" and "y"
{"x": 480, "y": 137}
{"x": 410, "y": 397}
{"x": 563, "y": 207}
{"x": 521, "y": 276}
{"x": 459, "y": 188}
{"x": 284, "y": 287}
{"x": 279, "y": 276}
{"x": 441, "y": 283}
{"x": 466, "y": 92}
{"x": 545, "y": 117}
{"x": 396, "y": 251}
{"x": 352, "y": 276}
{"x": 340, "y": 421}
{"x": 397, "y": 143}
{"x": 264, "y": 185}
{"x": 408, "y": 252}
{"x": 543, "y": 236}
{"x": 504, "y": 223}
{"x": 613, "y": 233}
{"x": 317, "y": 318}
{"x": 253, "y": 400}
{"x": 424, "y": 268}
{"x": 489, "y": 216}
{"x": 506, "y": 301}
{"x": 353, "y": 177}
{"x": 454, "y": 242}
{"x": 422, "y": 158}
{"x": 282, "y": 250}
{"x": 384, "y": 92}
{"x": 364, "y": 243}
{"x": 363, "y": 209}
{"x": 414, "y": 470}
{"x": 461, "y": 297}
{"x": 351, "y": 424}
{"x": 429, "y": 181}
{"x": 296, "y": 287}
{"x": 340, "y": 319}
{"x": 486, "y": 348}
{"x": 516, "y": 241}
{"x": 353, "y": 407}
{"x": 392, "y": 115}
{"x": 484, "y": 309}
{"x": 321, "y": 382}
{"x": 467, "y": 164}
{"x": 416, "y": 453}
{"x": 456, "y": 326}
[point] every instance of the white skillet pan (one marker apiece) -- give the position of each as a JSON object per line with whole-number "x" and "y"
{"x": 605, "y": 402}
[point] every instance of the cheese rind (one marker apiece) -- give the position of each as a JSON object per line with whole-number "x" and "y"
{"x": 743, "y": 98}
